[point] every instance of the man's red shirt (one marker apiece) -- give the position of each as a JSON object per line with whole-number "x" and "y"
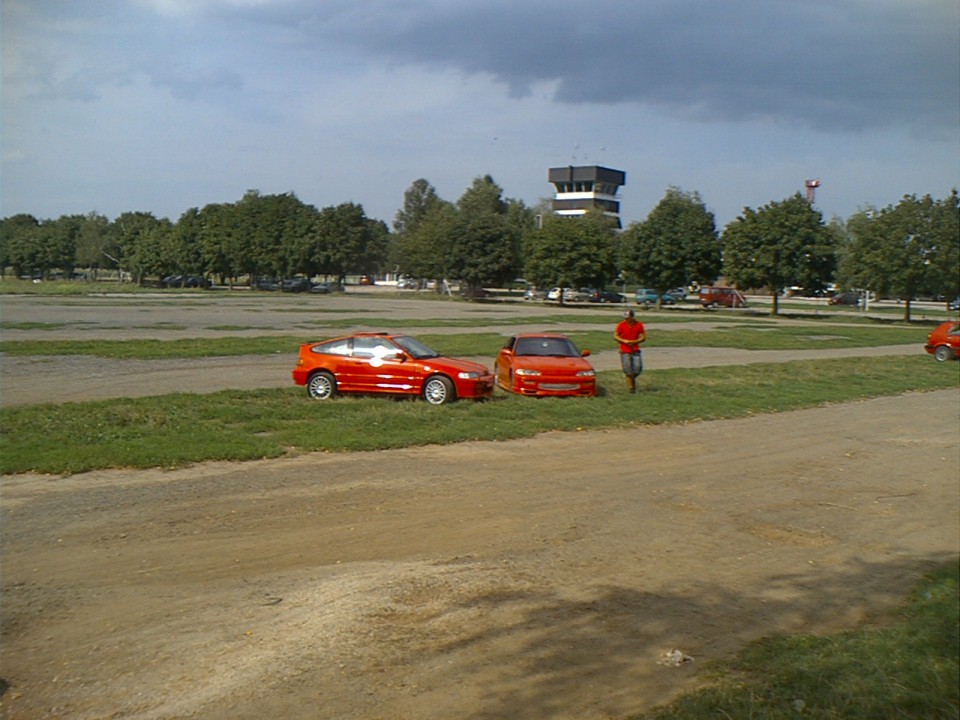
{"x": 629, "y": 331}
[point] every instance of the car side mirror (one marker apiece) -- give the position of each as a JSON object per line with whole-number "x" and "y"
{"x": 585, "y": 353}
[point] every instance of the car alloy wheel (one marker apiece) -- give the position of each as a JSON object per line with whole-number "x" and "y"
{"x": 943, "y": 353}
{"x": 438, "y": 390}
{"x": 322, "y": 386}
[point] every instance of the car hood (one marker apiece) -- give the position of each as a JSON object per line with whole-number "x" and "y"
{"x": 454, "y": 365}
{"x": 552, "y": 364}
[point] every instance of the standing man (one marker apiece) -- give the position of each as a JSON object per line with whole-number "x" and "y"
{"x": 630, "y": 334}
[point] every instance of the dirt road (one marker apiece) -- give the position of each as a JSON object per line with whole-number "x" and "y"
{"x": 527, "y": 579}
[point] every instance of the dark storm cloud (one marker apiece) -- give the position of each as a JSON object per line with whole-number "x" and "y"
{"x": 841, "y": 64}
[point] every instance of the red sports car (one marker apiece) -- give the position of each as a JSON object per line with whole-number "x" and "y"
{"x": 368, "y": 363}
{"x": 544, "y": 364}
{"x": 944, "y": 341}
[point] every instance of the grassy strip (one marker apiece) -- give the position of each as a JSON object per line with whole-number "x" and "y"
{"x": 178, "y": 429}
{"x": 747, "y": 337}
{"x": 910, "y": 669}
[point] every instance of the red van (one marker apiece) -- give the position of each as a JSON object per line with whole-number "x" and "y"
{"x": 722, "y": 297}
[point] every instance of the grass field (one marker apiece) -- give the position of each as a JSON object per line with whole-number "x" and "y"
{"x": 179, "y": 429}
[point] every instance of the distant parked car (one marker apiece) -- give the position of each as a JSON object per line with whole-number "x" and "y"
{"x": 266, "y": 283}
{"x": 407, "y": 283}
{"x": 569, "y": 294}
{"x": 322, "y": 288}
{"x": 367, "y": 280}
{"x": 531, "y": 293}
{"x": 300, "y": 284}
{"x": 544, "y": 364}
{"x": 721, "y": 297}
{"x": 944, "y": 341}
{"x": 954, "y": 304}
{"x": 845, "y": 298}
{"x": 476, "y": 293}
{"x": 385, "y": 363}
{"x": 605, "y": 296}
{"x": 186, "y": 281}
{"x": 648, "y": 296}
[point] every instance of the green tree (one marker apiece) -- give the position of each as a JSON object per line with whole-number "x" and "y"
{"x": 60, "y": 242}
{"x": 140, "y": 238}
{"x": 571, "y": 251}
{"x": 675, "y": 246}
{"x": 20, "y": 243}
{"x": 781, "y": 244}
{"x": 345, "y": 240}
{"x": 418, "y": 201}
{"x": 945, "y": 262}
{"x": 218, "y": 229}
{"x": 94, "y": 242}
{"x": 186, "y": 245}
{"x": 485, "y": 246}
{"x": 423, "y": 250}
{"x": 905, "y": 251}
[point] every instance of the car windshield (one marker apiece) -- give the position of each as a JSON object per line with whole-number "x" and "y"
{"x": 414, "y": 348}
{"x": 552, "y": 347}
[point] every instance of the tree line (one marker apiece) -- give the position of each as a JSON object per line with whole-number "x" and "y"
{"x": 903, "y": 251}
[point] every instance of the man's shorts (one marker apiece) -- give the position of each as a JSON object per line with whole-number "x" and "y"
{"x": 632, "y": 363}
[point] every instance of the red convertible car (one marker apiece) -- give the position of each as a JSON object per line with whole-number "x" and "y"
{"x": 544, "y": 364}
{"x": 368, "y": 363}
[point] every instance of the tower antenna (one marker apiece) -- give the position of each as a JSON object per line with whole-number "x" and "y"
{"x": 811, "y": 186}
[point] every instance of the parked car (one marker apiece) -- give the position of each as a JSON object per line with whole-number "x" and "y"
{"x": 944, "y": 341}
{"x": 475, "y": 293}
{"x": 322, "y": 288}
{"x": 677, "y": 294}
{"x": 845, "y": 298}
{"x": 366, "y": 280}
{"x": 648, "y": 296}
{"x": 299, "y": 284}
{"x": 605, "y": 296}
{"x": 569, "y": 295}
{"x": 721, "y": 297}
{"x": 407, "y": 283}
{"x": 544, "y": 364}
{"x": 186, "y": 281}
{"x": 266, "y": 283}
{"x": 531, "y": 293}
{"x": 375, "y": 363}
{"x": 954, "y": 304}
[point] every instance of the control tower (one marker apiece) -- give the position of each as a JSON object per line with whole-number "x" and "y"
{"x": 583, "y": 187}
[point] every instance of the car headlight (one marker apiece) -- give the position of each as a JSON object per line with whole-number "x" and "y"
{"x": 531, "y": 373}
{"x": 586, "y": 373}
{"x": 472, "y": 375}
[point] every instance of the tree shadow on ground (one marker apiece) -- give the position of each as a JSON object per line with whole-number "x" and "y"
{"x": 610, "y": 638}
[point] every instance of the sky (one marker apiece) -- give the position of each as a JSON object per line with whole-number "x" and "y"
{"x": 111, "y": 106}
